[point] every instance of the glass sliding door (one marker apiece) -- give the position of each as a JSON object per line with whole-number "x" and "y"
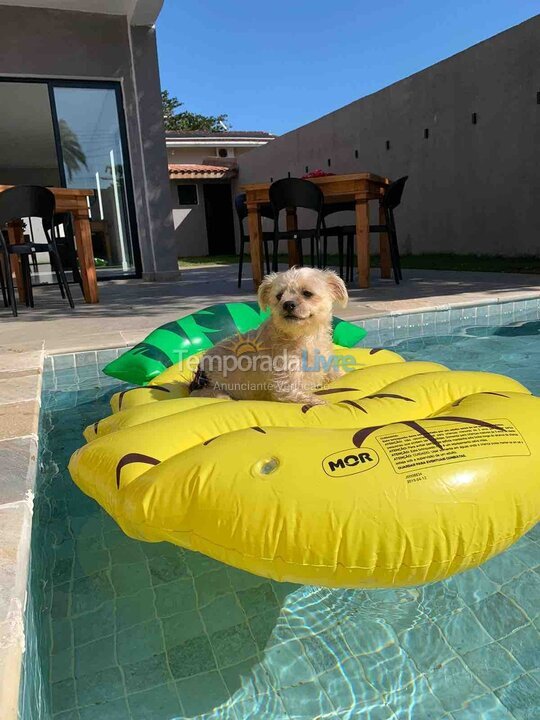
{"x": 92, "y": 156}
{"x": 27, "y": 143}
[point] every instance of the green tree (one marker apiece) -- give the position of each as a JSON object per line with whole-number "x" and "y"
{"x": 72, "y": 152}
{"x": 178, "y": 121}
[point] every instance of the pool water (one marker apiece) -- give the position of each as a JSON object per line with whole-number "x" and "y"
{"x": 123, "y": 630}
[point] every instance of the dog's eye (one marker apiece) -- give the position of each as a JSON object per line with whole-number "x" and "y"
{"x": 279, "y": 296}
{"x": 307, "y": 294}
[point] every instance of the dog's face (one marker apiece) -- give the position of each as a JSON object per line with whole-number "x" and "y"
{"x": 302, "y": 298}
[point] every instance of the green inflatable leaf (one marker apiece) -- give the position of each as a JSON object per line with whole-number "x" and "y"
{"x": 177, "y": 340}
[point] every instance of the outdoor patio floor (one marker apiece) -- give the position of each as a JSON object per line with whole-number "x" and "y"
{"x": 129, "y": 309}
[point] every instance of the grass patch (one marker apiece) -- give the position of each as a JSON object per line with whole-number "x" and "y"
{"x": 430, "y": 261}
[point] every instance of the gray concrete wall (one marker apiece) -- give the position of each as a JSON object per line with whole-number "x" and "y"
{"x": 85, "y": 46}
{"x": 472, "y": 188}
{"x": 189, "y": 222}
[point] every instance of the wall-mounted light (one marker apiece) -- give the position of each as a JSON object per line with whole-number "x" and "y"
{"x": 329, "y": 162}
{"x": 474, "y": 118}
{"x": 271, "y": 179}
{"x": 538, "y": 98}
{"x": 426, "y": 133}
{"x": 307, "y": 169}
{"x": 387, "y": 144}
{"x": 289, "y": 174}
{"x": 356, "y": 154}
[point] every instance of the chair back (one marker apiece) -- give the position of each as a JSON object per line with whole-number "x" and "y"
{"x": 27, "y": 201}
{"x": 295, "y": 193}
{"x": 393, "y": 193}
{"x": 242, "y": 212}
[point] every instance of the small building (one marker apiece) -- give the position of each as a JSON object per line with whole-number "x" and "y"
{"x": 202, "y": 166}
{"x": 72, "y": 73}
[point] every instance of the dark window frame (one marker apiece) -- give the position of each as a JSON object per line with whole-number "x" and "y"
{"x": 183, "y": 186}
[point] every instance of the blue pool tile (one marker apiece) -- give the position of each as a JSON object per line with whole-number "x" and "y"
{"x": 502, "y": 567}
{"x": 62, "y": 665}
{"x": 181, "y": 627}
{"x": 308, "y": 700}
{"x": 416, "y": 701}
{"x": 499, "y": 615}
{"x": 223, "y": 612}
{"x": 233, "y": 644}
{"x": 160, "y": 703}
{"x": 63, "y": 695}
{"x": 128, "y": 579}
{"x": 173, "y": 597}
{"x": 211, "y": 585}
{"x": 463, "y": 632}
{"x": 203, "y": 693}
{"x": 139, "y": 642}
{"x": 95, "y": 624}
{"x": 133, "y": 609}
{"x": 166, "y": 568}
{"x": 72, "y": 714}
{"x": 257, "y": 599}
{"x": 525, "y": 591}
{"x": 192, "y": 657}
{"x": 112, "y": 710}
{"x": 90, "y": 592}
{"x": 453, "y": 685}
{"x": 426, "y": 645}
{"x": 147, "y": 673}
{"x": 524, "y": 646}
{"x": 242, "y": 673}
{"x": 493, "y": 665}
{"x": 487, "y": 707}
{"x": 95, "y": 656}
{"x": 527, "y": 550}
{"x": 522, "y": 698}
{"x": 100, "y": 687}
{"x": 287, "y": 664}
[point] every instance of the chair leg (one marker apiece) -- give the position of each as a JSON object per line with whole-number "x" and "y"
{"x": 3, "y": 283}
{"x": 9, "y": 283}
{"x": 275, "y": 255}
{"x": 350, "y": 258}
{"x": 54, "y": 267}
{"x": 325, "y": 250}
{"x": 266, "y": 257}
{"x": 240, "y": 262}
{"x": 340, "y": 254}
{"x": 62, "y": 280}
{"x": 312, "y": 250}
{"x": 27, "y": 278}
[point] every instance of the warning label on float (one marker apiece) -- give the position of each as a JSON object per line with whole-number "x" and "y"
{"x": 450, "y": 442}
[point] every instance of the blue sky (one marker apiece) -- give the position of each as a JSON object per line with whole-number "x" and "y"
{"x": 280, "y": 64}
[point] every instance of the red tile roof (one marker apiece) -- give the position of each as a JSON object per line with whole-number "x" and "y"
{"x": 200, "y": 172}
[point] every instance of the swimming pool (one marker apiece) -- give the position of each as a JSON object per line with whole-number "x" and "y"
{"x": 122, "y": 630}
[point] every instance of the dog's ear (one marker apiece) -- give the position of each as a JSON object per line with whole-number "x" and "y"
{"x": 337, "y": 288}
{"x": 265, "y": 288}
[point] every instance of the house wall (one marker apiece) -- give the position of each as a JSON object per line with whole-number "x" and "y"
{"x": 86, "y": 46}
{"x": 189, "y": 222}
{"x": 472, "y": 188}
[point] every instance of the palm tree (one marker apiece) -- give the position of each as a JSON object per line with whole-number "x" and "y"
{"x": 74, "y": 157}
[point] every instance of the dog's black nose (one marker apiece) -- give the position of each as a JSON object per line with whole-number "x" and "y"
{"x": 289, "y": 306}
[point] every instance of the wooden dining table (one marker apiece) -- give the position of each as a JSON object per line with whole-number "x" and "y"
{"x": 360, "y": 188}
{"x": 68, "y": 200}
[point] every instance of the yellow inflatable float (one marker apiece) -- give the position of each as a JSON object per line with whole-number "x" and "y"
{"x": 410, "y": 473}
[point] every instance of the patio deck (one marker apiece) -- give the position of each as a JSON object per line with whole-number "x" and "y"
{"x": 129, "y": 309}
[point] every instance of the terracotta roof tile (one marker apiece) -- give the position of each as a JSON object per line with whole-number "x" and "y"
{"x": 190, "y": 171}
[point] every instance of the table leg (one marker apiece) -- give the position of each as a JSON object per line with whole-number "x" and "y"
{"x": 255, "y": 243}
{"x": 85, "y": 253}
{"x": 384, "y": 244}
{"x": 362, "y": 241}
{"x": 16, "y": 235}
{"x": 292, "y": 224}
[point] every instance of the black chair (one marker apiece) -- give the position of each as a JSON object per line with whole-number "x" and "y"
{"x": 389, "y": 202}
{"x": 66, "y": 244}
{"x": 242, "y": 212}
{"x": 295, "y": 193}
{"x": 337, "y": 231}
{"x": 22, "y": 202}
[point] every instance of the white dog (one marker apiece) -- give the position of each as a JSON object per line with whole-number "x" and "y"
{"x": 290, "y": 355}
